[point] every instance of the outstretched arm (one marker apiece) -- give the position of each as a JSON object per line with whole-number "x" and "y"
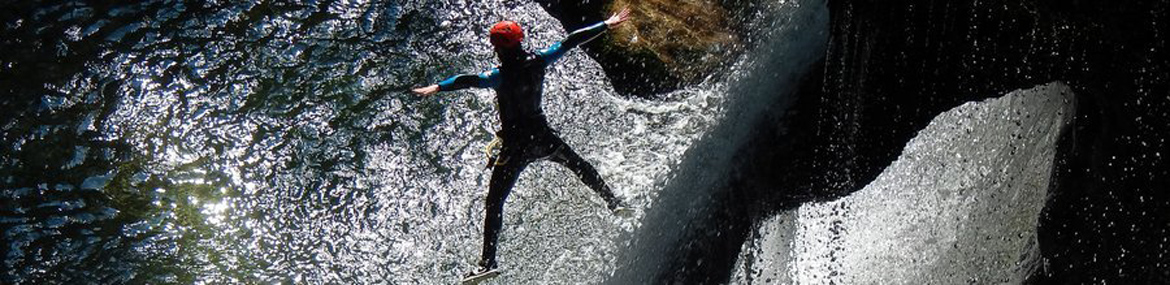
{"x": 582, "y": 36}
{"x": 487, "y": 79}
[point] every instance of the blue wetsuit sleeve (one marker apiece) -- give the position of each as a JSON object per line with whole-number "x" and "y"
{"x": 486, "y": 79}
{"x": 576, "y": 38}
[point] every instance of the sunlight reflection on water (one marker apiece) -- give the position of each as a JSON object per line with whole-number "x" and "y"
{"x": 274, "y": 142}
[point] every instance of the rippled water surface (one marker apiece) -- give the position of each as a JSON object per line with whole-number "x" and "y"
{"x": 225, "y": 142}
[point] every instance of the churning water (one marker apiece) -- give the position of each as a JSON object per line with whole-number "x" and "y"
{"x": 960, "y": 205}
{"x": 218, "y": 142}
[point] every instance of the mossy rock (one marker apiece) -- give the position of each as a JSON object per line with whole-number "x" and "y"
{"x": 666, "y": 44}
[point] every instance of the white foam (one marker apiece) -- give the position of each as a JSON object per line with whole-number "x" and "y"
{"x": 960, "y": 205}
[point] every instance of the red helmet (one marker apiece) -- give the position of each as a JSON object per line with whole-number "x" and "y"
{"x": 506, "y": 34}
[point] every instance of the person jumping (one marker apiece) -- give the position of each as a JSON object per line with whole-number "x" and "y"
{"x": 525, "y": 133}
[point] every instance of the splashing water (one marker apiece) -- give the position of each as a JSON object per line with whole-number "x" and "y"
{"x": 206, "y": 142}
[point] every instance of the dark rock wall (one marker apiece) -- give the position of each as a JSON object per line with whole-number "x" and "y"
{"x": 893, "y": 65}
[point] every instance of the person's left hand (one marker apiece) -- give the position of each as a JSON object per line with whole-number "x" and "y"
{"x": 618, "y": 18}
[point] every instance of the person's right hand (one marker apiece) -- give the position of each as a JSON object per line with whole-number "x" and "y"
{"x": 618, "y": 18}
{"x": 426, "y": 91}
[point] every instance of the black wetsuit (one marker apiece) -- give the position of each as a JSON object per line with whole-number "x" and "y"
{"x": 525, "y": 132}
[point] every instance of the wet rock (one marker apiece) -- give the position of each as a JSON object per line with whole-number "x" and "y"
{"x": 667, "y": 44}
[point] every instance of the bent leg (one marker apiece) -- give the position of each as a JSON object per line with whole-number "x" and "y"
{"x": 585, "y": 171}
{"x": 503, "y": 178}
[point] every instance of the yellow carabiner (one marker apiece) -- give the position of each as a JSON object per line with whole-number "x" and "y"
{"x": 492, "y": 152}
